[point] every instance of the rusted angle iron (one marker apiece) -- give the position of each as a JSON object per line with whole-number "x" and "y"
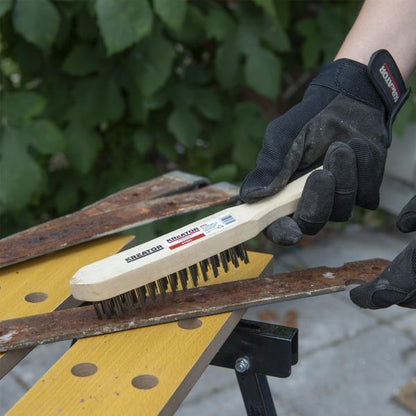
{"x": 208, "y": 300}
{"x": 168, "y": 195}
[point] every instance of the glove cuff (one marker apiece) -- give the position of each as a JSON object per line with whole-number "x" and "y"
{"x": 349, "y": 78}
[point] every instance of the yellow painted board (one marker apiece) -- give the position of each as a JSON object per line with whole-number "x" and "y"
{"x": 167, "y": 354}
{"x": 24, "y": 285}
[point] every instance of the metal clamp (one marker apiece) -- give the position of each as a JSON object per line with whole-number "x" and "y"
{"x": 256, "y": 350}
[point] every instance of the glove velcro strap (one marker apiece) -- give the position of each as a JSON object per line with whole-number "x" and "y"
{"x": 349, "y": 78}
{"x": 386, "y": 77}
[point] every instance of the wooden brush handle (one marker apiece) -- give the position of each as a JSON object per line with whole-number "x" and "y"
{"x": 182, "y": 248}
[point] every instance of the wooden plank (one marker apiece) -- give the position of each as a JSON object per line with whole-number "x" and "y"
{"x": 173, "y": 355}
{"x": 82, "y": 322}
{"x": 116, "y": 213}
{"x": 406, "y": 397}
{"x": 23, "y": 286}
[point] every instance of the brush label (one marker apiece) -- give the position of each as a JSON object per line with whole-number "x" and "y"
{"x": 201, "y": 231}
{"x": 144, "y": 253}
{"x": 218, "y": 223}
{"x": 185, "y": 237}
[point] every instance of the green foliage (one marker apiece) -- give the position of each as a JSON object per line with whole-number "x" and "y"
{"x": 96, "y": 95}
{"x": 37, "y": 22}
{"x": 123, "y": 22}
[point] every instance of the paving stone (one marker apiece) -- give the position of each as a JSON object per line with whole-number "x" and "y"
{"x": 386, "y": 314}
{"x": 321, "y": 320}
{"x": 357, "y": 377}
{"x": 407, "y": 323}
{"x": 353, "y": 244}
{"x": 209, "y": 399}
{"x": 336, "y": 380}
{"x": 10, "y": 390}
{"x": 28, "y": 371}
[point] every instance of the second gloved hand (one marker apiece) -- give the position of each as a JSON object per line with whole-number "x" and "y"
{"x": 396, "y": 285}
{"x": 344, "y": 121}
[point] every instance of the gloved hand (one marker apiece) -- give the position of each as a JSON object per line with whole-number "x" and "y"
{"x": 396, "y": 285}
{"x": 344, "y": 121}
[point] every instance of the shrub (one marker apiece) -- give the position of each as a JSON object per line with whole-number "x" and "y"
{"x": 99, "y": 95}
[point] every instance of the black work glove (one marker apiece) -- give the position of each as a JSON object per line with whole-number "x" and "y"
{"x": 344, "y": 121}
{"x": 396, "y": 285}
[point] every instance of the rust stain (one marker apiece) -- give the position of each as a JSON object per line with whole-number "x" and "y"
{"x": 118, "y": 212}
{"x": 207, "y": 300}
{"x": 291, "y": 318}
{"x": 268, "y": 316}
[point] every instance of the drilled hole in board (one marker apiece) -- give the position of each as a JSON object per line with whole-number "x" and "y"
{"x": 84, "y": 369}
{"x": 193, "y": 323}
{"x": 36, "y": 297}
{"x": 145, "y": 381}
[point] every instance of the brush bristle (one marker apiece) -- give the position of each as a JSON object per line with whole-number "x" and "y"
{"x": 129, "y": 301}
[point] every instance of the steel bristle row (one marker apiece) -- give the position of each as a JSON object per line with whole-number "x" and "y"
{"x": 128, "y": 301}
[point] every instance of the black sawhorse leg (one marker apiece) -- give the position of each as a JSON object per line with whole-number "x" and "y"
{"x": 256, "y": 350}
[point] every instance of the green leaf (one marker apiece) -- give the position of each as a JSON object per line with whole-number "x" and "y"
{"x": 21, "y": 105}
{"x": 248, "y": 127}
{"x": 86, "y": 25}
{"x": 171, "y": 12}
{"x": 272, "y": 32}
{"x": 226, "y": 173}
{"x": 283, "y": 10}
{"x": 82, "y": 60}
{"x": 5, "y": 6}
{"x": 123, "y": 22}
{"x": 263, "y": 73}
{"x": 151, "y": 63}
{"x": 44, "y": 136}
{"x": 166, "y": 147}
{"x": 267, "y": 6}
{"x": 248, "y": 121}
{"x": 137, "y": 105}
{"x": 83, "y": 144}
{"x": 244, "y": 153}
{"x": 97, "y": 99}
{"x": 227, "y": 63}
{"x": 21, "y": 176}
{"x": 143, "y": 141}
{"x": 37, "y": 21}
{"x": 158, "y": 100}
{"x": 182, "y": 94}
{"x": 29, "y": 57}
{"x": 208, "y": 103}
{"x": 218, "y": 23}
{"x": 197, "y": 74}
{"x": 66, "y": 197}
{"x": 184, "y": 125}
{"x": 192, "y": 29}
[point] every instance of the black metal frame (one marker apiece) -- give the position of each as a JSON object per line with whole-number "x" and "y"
{"x": 256, "y": 350}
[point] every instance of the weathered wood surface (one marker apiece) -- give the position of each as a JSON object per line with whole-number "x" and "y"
{"x": 168, "y": 195}
{"x": 83, "y": 322}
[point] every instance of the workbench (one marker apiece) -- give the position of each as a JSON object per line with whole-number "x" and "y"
{"x": 145, "y": 371}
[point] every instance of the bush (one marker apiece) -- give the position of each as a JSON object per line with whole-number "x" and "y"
{"x": 99, "y": 95}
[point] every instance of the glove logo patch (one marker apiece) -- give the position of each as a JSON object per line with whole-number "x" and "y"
{"x": 389, "y": 80}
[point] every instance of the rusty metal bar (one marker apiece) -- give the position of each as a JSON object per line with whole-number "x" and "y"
{"x": 168, "y": 195}
{"x": 82, "y": 322}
